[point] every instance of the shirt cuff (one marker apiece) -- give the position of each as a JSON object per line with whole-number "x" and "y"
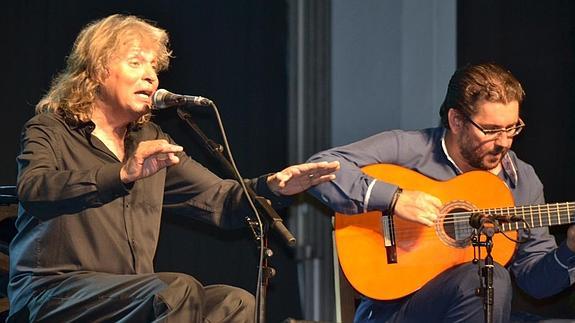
{"x": 262, "y": 189}
{"x": 109, "y": 184}
{"x": 380, "y": 196}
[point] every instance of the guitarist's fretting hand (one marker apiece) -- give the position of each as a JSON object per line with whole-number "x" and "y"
{"x": 571, "y": 238}
{"x": 419, "y": 207}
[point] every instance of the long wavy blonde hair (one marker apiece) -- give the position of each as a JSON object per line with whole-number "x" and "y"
{"x": 74, "y": 90}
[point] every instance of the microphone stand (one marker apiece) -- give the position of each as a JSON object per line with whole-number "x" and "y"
{"x": 273, "y": 219}
{"x": 487, "y": 226}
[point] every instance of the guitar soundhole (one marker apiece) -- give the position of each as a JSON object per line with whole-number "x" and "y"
{"x": 453, "y": 226}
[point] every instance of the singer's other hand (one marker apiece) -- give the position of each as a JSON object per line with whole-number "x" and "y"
{"x": 149, "y": 157}
{"x": 298, "y": 178}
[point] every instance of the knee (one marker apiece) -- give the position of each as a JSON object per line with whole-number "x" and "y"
{"x": 502, "y": 282}
{"x": 244, "y": 301}
{"x": 227, "y": 303}
{"x": 182, "y": 289}
{"x": 469, "y": 277}
{"x": 181, "y": 281}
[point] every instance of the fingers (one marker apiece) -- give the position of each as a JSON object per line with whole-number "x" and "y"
{"x": 165, "y": 160}
{"x": 298, "y": 178}
{"x": 319, "y": 169}
{"x": 315, "y": 180}
{"x": 149, "y": 157}
{"x": 282, "y": 177}
{"x": 160, "y": 147}
{"x": 428, "y": 217}
{"x": 426, "y": 221}
{"x": 434, "y": 201}
{"x": 571, "y": 238}
{"x": 431, "y": 205}
{"x": 317, "y": 173}
{"x": 418, "y": 207}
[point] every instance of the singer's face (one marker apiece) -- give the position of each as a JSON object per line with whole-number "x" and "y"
{"x": 131, "y": 80}
{"x": 485, "y": 152}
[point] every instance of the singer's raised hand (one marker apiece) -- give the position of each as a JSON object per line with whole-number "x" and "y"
{"x": 149, "y": 157}
{"x": 298, "y": 178}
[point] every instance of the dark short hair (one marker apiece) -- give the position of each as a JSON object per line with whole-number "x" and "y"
{"x": 474, "y": 83}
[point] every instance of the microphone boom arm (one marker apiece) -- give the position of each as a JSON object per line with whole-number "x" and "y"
{"x": 216, "y": 150}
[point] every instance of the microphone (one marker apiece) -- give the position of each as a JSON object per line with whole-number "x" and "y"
{"x": 508, "y": 218}
{"x": 164, "y": 99}
{"x": 477, "y": 219}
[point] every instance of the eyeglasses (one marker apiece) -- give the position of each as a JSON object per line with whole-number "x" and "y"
{"x": 510, "y": 132}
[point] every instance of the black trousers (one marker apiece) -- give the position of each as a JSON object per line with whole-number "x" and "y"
{"x": 159, "y": 297}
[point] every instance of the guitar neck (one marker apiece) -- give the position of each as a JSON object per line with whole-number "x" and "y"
{"x": 536, "y": 215}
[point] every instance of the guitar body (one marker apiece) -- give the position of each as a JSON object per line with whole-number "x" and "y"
{"x": 422, "y": 252}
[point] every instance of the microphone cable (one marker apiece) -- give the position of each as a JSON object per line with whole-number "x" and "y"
{"x": 260, "y": 236}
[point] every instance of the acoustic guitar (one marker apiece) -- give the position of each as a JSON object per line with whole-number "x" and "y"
{"x": 386, "y": 257}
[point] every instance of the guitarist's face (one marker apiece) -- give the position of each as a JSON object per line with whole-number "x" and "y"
{"x": 482, "y": 151}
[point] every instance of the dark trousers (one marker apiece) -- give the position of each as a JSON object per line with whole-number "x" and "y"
{"x": 449, "y": 297}
{"x": 159, "y": 297}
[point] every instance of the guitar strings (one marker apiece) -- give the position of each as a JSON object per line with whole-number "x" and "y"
{"x": 555, "y": 212}
{"x": 549, "y": 212}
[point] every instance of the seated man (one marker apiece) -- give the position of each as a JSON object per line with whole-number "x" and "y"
{"x": 94, "y": 175}
{"x": 479, "y": 119}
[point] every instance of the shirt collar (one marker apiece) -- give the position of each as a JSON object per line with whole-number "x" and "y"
{"x": 506, "y": 163}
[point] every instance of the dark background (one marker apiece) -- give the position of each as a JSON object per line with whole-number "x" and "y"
{"x": 535, "y": 40}
{"x": 234, "y": 52}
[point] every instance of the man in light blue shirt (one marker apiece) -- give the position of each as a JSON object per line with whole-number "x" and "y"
{"x": 480, "y": 118}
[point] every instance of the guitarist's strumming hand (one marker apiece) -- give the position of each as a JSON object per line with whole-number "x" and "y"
{"x": 571, "y": 238}
{"x": 419, "y": 207}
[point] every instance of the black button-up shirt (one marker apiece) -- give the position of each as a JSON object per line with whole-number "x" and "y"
{"x": 76, "y": 215}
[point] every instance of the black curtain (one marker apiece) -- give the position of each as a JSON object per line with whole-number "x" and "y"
{"x": 535, "y": 40}
{"x": 233, "y": 52}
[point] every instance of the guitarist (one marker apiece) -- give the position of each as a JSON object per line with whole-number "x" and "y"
{"x": 479, "y": 120}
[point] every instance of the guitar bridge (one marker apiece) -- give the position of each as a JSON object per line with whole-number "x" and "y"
{"x": 389, "y": 238}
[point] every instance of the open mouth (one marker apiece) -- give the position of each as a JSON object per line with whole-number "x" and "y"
{"x": 144, "y": 94}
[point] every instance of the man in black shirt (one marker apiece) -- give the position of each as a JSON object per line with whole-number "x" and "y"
{"x": 94, "y": 176}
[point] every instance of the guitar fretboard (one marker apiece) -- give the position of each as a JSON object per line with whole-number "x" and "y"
{"x": 536, "y": 215}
